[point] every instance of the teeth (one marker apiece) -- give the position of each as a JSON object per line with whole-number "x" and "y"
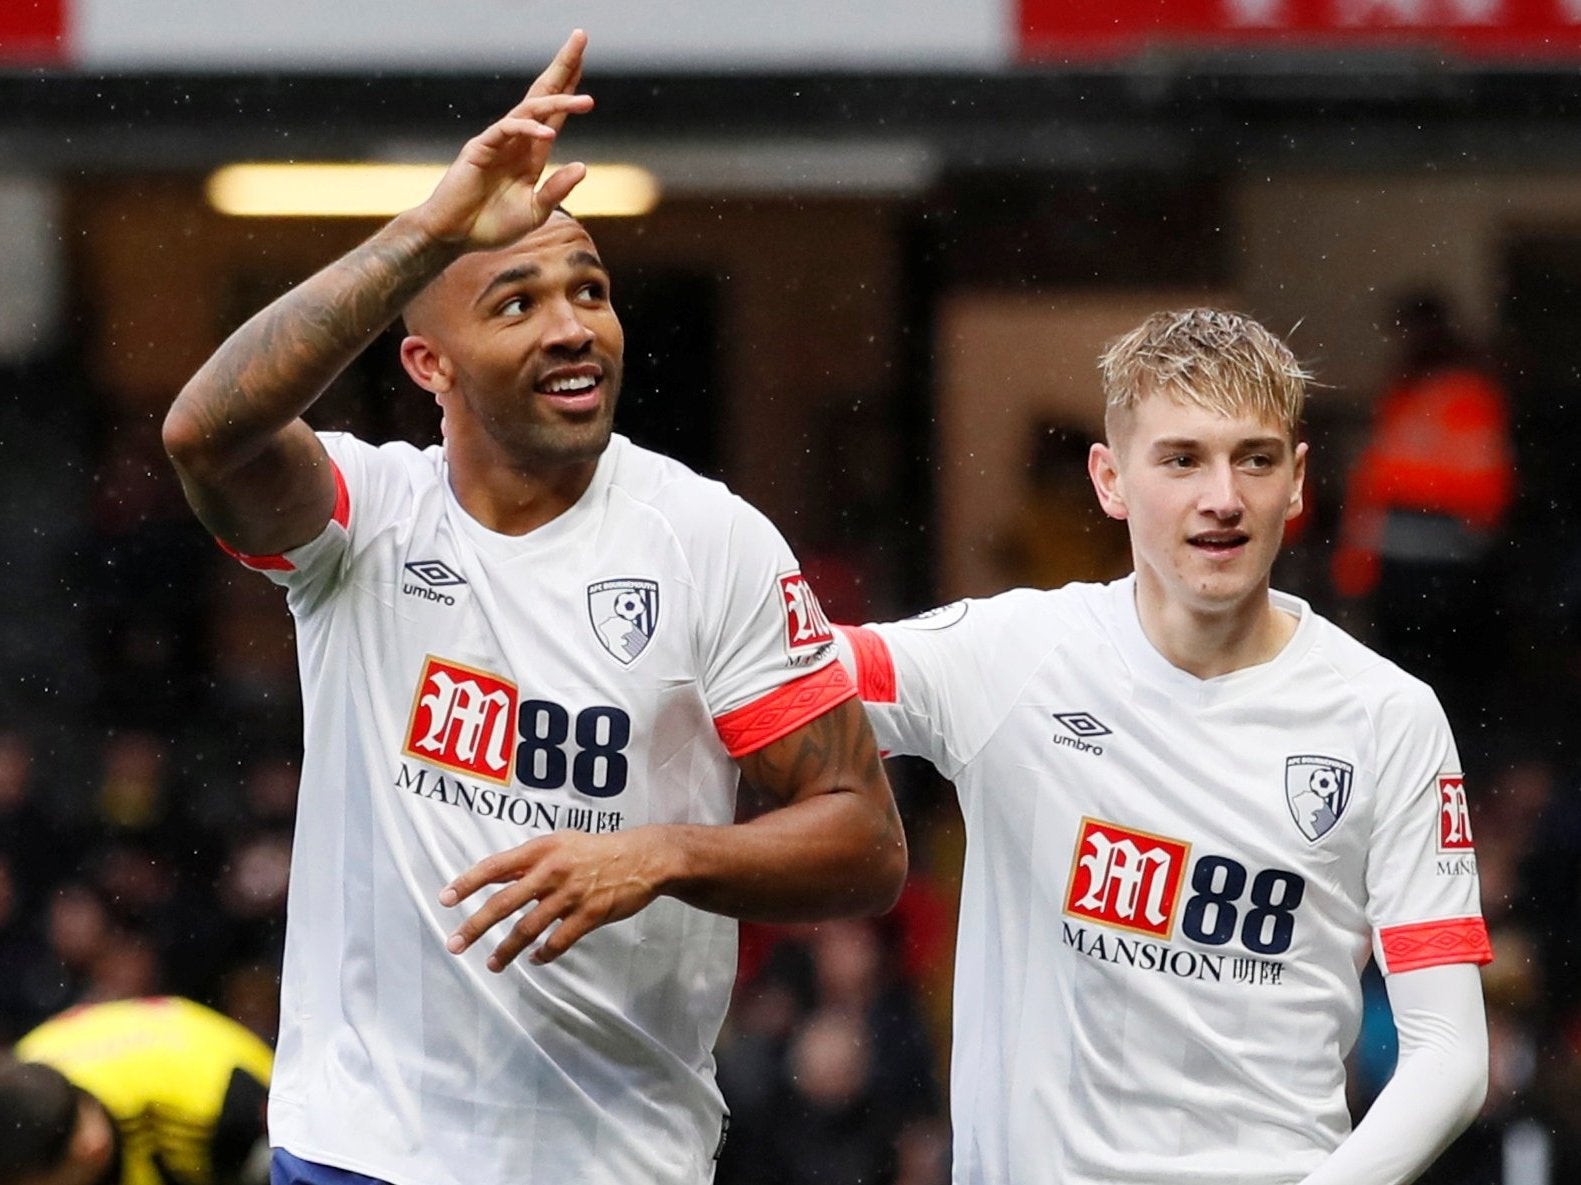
{"x": 561, "y": 386}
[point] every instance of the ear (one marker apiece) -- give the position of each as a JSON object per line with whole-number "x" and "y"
{"x": 1298, "y": 495}
{"x": 428, "y": 368}
{"x": 1104, "y": 469}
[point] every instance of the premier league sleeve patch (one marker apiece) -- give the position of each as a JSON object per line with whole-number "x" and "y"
{"x": 624, "y": 613}
{"x": 1318, "y": 791}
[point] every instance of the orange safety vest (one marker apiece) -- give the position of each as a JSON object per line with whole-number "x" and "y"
{"x": 1440, "y": 445}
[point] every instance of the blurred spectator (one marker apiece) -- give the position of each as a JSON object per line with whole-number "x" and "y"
{"x": 250, "y": 994}
{"x": 28, "y": 837}
{"x": 252, "y": 892}
{"x": 23, "y": 960}
{"x": 133, "y": 795}
{"x": 253, "y": 656}
{"x": 751, "y": 1055}
{"x": 827, "y": 1065}
{"x": 126, "y": 967}
{"x": 923, "y": 1154}
{"x": 1425, "y": 503}
{"x": 151, "y": 1091}
{"x": 77, "y": 926}
{"x": 152, "y": 897}
{"x": 857, "y": 973}
{"x": 832, "y": 1124}
{"x": 134, "y": 576}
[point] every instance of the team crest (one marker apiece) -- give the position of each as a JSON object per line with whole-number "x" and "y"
{"x": 1318, "y": 791}
{"x": 624, "y": 613}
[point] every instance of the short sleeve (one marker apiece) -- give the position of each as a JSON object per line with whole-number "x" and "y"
{"x": 369, "y": 482}
{"x": 767, "y": 650}
{"x": 937, "y": 685}
{"x": 1422, "y": 891}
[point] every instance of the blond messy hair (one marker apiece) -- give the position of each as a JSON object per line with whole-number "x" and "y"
{"x": 1209, "y": 358}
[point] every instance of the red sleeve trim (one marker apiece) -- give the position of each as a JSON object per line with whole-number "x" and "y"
{"x": 1433, "y": 944}
{"x": 342, "y": 512}
{"x": 278, "y": 563}
{"x": 783, "y": 710}
{"x": 875, "y": 666}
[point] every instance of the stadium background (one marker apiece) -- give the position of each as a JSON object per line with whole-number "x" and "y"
{"x": 889, "y": 242}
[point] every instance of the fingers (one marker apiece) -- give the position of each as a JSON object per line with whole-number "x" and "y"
{"x": 493, "y": 911}
{"x": 562, "y": 937}
{"x": 560, "y": 183}
{"x": 537, "y": 119}
{"x": 562, "y": 75}
{"x": 564, "y": 885}
{"x": 492, "y": 870}
{"x": 524, "y": 867}
{"x": 573, "y": 918}
{"x": 522, "y": 935}
{"x": 563, "y": 921}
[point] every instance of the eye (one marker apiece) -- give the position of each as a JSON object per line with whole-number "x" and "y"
{"x": 1179, "y": 461}
{"x": 593, "y": 290}
{"x": 515, "y": 306}
{"x": 1259, "y": 461}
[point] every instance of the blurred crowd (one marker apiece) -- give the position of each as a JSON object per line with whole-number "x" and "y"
{"x": 149, "y": 762}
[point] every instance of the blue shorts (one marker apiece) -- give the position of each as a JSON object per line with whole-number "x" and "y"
{"x": 285, "y": 1169}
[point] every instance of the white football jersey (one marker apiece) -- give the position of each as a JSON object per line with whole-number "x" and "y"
{"x": 465, "y": 691}
{"x": 1171, "y": 884}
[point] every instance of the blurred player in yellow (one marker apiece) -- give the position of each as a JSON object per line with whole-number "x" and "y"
{"x": 158, "y": 1091}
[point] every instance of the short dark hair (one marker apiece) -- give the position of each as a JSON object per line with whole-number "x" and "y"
{"x": 38, "y": 1113}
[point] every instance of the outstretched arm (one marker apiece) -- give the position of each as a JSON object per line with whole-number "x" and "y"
{"x": 252, "y": 469}
{"x": 1438, "y": 1085}
{"x": 831, "y": 846}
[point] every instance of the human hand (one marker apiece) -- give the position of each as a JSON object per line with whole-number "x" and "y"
{"x": 491, "y": 194}
{"x": 580, "y": 881}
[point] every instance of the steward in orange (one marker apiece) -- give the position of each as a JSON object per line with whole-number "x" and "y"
{"x": 1425, "y": 502}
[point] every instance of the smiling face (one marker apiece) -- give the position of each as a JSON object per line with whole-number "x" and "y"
{"x": 1205, "y": 495}
{"x": 522, "y": 350}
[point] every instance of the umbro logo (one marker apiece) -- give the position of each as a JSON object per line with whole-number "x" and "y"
{"x": 433, "y": 575}
{"x": 1082, "y": 726}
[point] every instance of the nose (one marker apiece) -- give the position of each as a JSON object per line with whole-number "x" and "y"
{"x": 566, "y": 330}
{"x": 1221, "y": 492}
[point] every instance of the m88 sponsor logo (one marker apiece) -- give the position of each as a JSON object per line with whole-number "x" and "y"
{"x": 1148, "y": 884}
{"x": 479, "y": 724}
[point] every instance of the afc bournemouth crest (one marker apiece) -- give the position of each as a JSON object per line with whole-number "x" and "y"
{"x": 1318, "y": 791}
{"x": 624, "y": 613}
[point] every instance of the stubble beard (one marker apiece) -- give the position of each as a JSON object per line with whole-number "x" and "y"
{"x": 557, "y": 441}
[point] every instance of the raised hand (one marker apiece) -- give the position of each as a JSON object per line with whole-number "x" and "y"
{"x": 491, "y": 193}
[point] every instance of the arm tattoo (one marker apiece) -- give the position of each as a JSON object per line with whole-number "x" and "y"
{"x": 273, "y": 368}
{"x": 836, "y": 750}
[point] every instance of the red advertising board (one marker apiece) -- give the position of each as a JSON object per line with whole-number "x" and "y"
{"x": 1055, "y": 30}
{"x": 32, "y": 31}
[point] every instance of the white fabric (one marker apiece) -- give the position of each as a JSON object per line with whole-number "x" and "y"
{"x": 1438, "y": 1086}
{"x": 397, "y": 1059}
{"x": 1139, "y": 997}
